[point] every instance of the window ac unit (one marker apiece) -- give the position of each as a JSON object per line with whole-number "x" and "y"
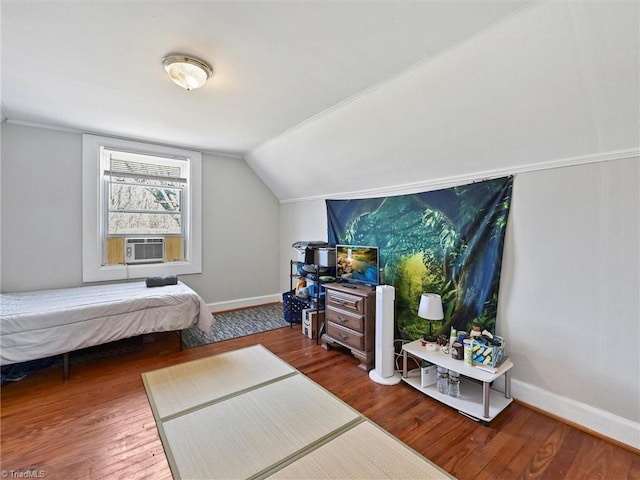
{"x": 143, "y": 250}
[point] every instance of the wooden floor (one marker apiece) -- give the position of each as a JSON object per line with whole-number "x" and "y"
{"x": 98, "y": 424}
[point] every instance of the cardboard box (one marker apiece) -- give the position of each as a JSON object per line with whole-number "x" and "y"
{"x": 325, "y": 257}
{"x": 310, "y": 322}
{"x": 428, "y": 375}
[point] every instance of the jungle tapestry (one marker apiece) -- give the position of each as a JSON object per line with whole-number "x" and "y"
{"x": 447, "y": 241}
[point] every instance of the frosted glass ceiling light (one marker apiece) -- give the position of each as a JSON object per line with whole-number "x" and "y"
{"x": 186, "y": 71}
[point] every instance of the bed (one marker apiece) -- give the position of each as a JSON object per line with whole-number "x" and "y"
{"x": 44, "y": 323}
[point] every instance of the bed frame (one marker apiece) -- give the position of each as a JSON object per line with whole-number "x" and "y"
{"x": 45, "y": 323}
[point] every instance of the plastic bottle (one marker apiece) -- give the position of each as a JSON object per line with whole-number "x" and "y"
{"x": 453, "y": 337}
{"x": 442, "y": 381}
{"x": 454, "y": 383}
{"x": 467, "y": 352}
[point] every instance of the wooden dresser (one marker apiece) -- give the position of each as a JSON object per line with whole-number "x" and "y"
{"x": 350, "y": 312}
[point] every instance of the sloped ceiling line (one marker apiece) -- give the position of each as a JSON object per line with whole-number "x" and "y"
{"x": 424, "y": 186}
{"x": 501, "y": 103}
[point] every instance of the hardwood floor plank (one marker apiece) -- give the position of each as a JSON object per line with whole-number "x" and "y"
{"x": 598, "y": 459}
{"x": 98, "y": 424}
{"x": 561, "y": 462}
{"x": 524, "y": 447}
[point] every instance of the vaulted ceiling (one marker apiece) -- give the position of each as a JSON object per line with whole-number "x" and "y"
{"x": 302, "y": 89}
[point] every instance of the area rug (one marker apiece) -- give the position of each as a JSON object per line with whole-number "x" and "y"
{"x": 237, "y": 323}
{"x": 248, "y": 414}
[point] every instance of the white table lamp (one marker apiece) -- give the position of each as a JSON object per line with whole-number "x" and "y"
{"x": 430, "y": 309}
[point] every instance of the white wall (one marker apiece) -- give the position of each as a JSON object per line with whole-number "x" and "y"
{"x": 569, "y": 299}
{"x": 299, "y": 221}
{"x": 569, "y": 295}
{"x": 41, "y": 208}
{"x": 2, "y": 119}
{"x": 240, "y": 236}
{"x": 42, "y": 221}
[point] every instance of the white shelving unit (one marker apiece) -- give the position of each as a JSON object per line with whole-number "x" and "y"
{"x": 476, "y": 400}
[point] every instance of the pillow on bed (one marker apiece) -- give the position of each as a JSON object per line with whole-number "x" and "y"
{"x": 161, "y": 281}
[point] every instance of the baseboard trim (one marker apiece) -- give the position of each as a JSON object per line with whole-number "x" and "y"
{"x": 601, "y": 423}
{"x": 218, "y": 307}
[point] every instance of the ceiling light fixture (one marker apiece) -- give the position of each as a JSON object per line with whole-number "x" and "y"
{"x": 187, "y": 71}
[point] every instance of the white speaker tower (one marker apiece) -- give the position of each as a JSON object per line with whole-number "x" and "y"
{"x": 385, "y": 369}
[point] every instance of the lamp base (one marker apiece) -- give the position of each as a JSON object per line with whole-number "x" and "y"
{"x": 392, "y": 380}
{"x": 430, "y": 338}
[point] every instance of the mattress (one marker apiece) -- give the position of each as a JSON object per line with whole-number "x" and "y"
{"x": 44, "y": 323}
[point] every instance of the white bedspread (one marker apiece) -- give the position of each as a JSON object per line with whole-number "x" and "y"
{"x": 44, "y": 323}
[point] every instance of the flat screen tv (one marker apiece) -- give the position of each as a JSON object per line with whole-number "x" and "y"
{"x": 358, "y": 264}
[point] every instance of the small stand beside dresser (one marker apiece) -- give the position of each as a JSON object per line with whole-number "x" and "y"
{"x": 477, "y": 399}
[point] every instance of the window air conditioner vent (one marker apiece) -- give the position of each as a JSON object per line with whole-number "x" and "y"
{"x": 143, "y": 250}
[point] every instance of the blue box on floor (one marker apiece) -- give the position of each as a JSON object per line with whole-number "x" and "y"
{"x": 292, "y": 306}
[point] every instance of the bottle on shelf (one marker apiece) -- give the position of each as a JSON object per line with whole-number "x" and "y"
{"x": 454, "y": 383}
{"x": 442, "y": 380}
{"x": 467, "y": 352}
{"x": 452, "y": 337}
{"x": 457, "y": 351}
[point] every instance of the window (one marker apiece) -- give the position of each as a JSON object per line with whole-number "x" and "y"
{"x": 139, "y": 198}
{"x": 143, "y": 194}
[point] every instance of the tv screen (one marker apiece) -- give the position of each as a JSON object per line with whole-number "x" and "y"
{"x": 356, "y": 263}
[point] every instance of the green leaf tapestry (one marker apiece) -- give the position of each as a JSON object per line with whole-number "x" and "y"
{"x": 447, "y": 241}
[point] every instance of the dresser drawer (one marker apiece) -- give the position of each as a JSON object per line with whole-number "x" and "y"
{"x": 352, "y": 320}
{"x": 345, "y": 301}
{"x": 345, "y": 336}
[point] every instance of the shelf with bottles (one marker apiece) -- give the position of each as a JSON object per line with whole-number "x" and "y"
{"x": 476, "y": 398}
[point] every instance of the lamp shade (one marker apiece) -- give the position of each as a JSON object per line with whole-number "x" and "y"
{"x": 186, "y": 71}
{"x": 430, "y": 307}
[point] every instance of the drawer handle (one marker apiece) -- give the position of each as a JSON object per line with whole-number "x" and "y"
{"x": 343, "y": 336}
{"x": 343, "y": 319}
{"x": 340, "y": 301}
